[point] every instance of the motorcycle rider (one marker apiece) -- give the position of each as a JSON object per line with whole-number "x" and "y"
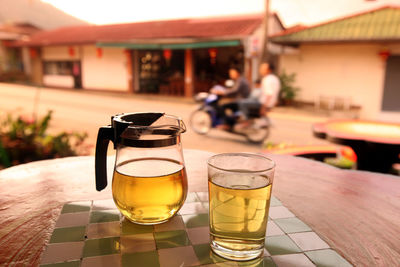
{"x": 231, "y": 96}
{"x": 268, "y": 95}
{"x": 270, "y": 87}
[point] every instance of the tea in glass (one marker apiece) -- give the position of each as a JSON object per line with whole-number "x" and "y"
{"x": 239, "y": 193}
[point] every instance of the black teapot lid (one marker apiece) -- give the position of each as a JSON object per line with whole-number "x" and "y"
{"x": 147, "y": 129}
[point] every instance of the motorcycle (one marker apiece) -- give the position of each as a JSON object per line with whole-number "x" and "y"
{"x": 206, "y": 117}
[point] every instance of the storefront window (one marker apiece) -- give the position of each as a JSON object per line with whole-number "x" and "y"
{"x": 13, "y": 60}
{"x": 58, "y": 67}
{"x": 212, "y": 64}
{"x": 161, "y": 71}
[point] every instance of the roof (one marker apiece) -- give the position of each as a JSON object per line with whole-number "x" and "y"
{"x": 9, "y": 36}
{"x": 19, "y": 28}
{"x": 222, "y": 28}
{"x": 382, "y": 24}
{"x": 16, "y": 31}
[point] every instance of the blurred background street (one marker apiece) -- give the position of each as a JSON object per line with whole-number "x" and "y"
{"x": 328, "y": 71}
{"x": 140, "y": 58}
{"x": 87, "y": 111}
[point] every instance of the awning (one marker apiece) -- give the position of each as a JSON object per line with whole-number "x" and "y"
{"x": 151, "y": 46}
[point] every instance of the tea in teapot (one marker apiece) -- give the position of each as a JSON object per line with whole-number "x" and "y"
{"x": 149, "y": 182}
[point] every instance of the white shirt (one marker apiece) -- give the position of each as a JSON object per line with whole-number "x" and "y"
{"x": 270, "y": 87}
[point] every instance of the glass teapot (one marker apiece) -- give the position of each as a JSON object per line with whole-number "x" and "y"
{"x": 149, "y": 182}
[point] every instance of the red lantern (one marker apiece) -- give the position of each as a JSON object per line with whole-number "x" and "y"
{"x": 212, "y": 52}
{"x": 167, "y": 54}
{"x": 71, "y": 51}
{"x": 384, "y": 54}
{"x": 33, "y": 52}
{"x": 99, "y": 52}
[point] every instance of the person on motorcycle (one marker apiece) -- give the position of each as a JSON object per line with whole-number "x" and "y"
{"x": 270, "y": 87}
{"x": 231, "y": 96}
{"x": 248, "y": 105}
{"x": 267, "y": 97}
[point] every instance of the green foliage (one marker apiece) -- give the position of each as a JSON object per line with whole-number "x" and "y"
{"x": 273, "y": 146}
{"x": 23, "y": 140}
{"x": 340, "y": 162}
{"x": 288, "y": 90}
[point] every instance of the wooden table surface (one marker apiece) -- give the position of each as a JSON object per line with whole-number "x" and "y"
{"x": 356, "y": 212}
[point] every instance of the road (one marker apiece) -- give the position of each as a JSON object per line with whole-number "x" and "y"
{"x": 88, "y": 110}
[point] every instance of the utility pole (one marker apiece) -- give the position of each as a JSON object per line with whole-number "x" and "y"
{"x": 264, "y": 51}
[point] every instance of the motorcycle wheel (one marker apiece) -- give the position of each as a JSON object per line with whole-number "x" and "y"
{"x": 200, "y": 121}
{"x": 258, "y": 130}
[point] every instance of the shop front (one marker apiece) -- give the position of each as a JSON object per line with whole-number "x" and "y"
{"x": 180, "y": 69}
{"x": 169, "y": 57}
{"x": 61, "y": 66}
{"x": 161, "y": 72}
{"x": 65, "y": 74}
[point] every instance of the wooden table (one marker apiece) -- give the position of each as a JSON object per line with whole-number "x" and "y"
{"x": 355, "y": 212}
{"x": 377, "y": 144}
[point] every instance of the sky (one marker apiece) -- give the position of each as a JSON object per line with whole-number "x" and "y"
{"x": 291, "y": 12}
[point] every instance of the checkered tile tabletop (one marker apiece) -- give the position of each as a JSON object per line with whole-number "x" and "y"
{"x": 93, "y": 233}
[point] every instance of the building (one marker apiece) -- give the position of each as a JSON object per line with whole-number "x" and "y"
{"x": 176, "y": 57}
{"x": 354, "y": 59}
{"x": 18, "y": 20}
{"x": 12, "y": 58}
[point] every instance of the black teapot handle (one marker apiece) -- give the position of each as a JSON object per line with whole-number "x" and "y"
{"x": 104, "y": 136}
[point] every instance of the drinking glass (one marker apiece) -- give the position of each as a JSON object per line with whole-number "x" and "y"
{"x": 239, "y": 187}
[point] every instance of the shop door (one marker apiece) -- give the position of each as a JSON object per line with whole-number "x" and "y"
{"x": 149, "y": 71}
{"x": 391, "y": 91}
{"x": 77, "y": 74}
{"x": 161, "y": 71}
